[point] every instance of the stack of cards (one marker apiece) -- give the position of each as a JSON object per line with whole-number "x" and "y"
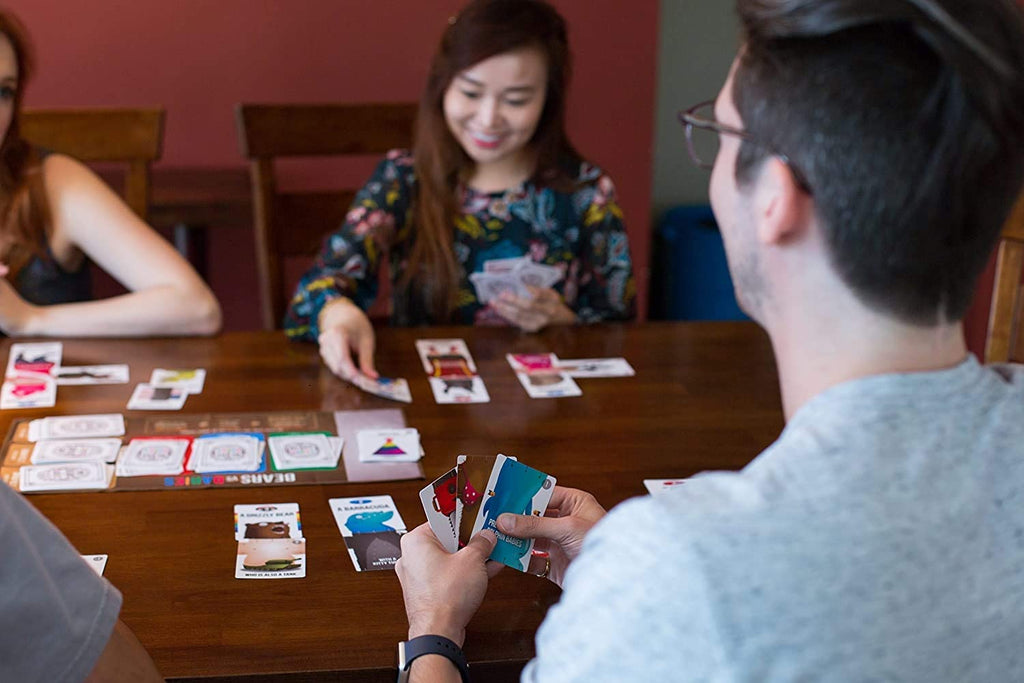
{"x": 270, "y": 542}
{"x": 76, "y": 427}
{"x": 372, "y": 529}
{"x": 75, "y": 450}
{"x": 149, "y": 455}
{"x": 87, "y": 475}
{"x": 167, "y": 389}
{"x": 451, "y": 371}
{"x": 544, "y": 375}
{"x": 30, "y": 379}
{"x": 92, "y": 374}
{"x": 304, "y": 450}
{"x": 400, "y": 444}
{"x": 513, "y": 275}
{"x": 471, "y": 496}
{"x": 227, "y": 452}
{"x": 395, "y": 389}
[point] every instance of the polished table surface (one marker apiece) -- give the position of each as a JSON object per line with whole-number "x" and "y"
{"x": 705, "y": 396}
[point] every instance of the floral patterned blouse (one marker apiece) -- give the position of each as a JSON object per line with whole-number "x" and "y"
{"x": 579, "y": 232}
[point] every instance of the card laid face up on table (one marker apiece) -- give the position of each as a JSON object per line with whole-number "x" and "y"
{"x": 270, "y": 542}
{"x": 30, "y": 380}
{"x": 389, "y": 445}
{"x": 191, "y": 380}
{"x": 451, "y": 371}
{"x": 92, "y": 374}
{"x": 372, "y": 529}
{"x": 151, "y": 397}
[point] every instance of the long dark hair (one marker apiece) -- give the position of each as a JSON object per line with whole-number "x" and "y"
{"x": 483, "y": 29}
{"x": 24, "y": 210}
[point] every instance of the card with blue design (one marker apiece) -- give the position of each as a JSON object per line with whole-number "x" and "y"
{"x": 372, "y": 530}
{"x": 519, "y": 489}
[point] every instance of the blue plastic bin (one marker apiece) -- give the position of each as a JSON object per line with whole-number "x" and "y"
{"x": 690, "y": 279}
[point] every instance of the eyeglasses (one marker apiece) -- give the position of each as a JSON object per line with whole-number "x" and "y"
{"x": 703, "y": 139}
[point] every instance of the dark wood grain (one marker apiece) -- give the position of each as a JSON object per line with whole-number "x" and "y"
{"x": 705, "y": 397}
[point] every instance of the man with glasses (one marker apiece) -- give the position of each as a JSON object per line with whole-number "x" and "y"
{"x": 864, "y": 155}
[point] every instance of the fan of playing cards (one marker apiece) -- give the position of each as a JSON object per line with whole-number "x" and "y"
{"x": 513, "y": 275}
{"x": 469, "y": 498}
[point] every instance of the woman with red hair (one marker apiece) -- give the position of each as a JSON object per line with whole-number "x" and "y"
{"x": 492, "y": 179}
{"x": 55, "y": 216}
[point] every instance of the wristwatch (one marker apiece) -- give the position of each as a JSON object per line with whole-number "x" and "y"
{"x": 430, "y": 645}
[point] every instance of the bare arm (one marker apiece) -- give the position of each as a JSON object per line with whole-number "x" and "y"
{"x": 124, "y": 659}
{"x": 166, "y": 296}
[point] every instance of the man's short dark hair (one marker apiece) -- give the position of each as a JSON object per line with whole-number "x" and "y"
{"x": 907, "y": 118}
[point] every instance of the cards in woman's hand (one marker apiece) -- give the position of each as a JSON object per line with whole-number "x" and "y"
{"x": 478, "y": 499}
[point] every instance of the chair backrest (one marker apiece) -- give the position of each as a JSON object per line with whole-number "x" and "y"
{"x": 273, "y": 131}
{"x": 1005, "y": 340}
{"x": 130, "y": 136}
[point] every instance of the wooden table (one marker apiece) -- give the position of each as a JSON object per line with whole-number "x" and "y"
{"x": 705, "y": 397}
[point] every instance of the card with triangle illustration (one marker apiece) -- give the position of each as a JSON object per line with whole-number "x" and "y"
{"x": 389, "y": 445}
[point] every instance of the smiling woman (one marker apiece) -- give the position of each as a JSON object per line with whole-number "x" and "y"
{"x": 492, "y": 218}
{"x": 55, "y": 216}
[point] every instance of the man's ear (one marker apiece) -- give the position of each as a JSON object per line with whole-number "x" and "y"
{"x": 783, "y": 210}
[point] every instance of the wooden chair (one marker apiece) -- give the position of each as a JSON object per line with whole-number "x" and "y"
{"x": 130, "y": 136}
{"x": 1005, "y": 340}
{"x": 294, "y": 224}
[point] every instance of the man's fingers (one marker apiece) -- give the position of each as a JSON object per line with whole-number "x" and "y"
{"x": 366, "y": 346}
{"x": 481, "y": 545}
{"x": 526, "y": 526}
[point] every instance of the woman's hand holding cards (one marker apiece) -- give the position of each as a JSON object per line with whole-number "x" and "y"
{"x": 443, "y": 590}
{"x": 544, "y": 308}
{"x": 344, "y": 328}
{"x": 560, "y": 532}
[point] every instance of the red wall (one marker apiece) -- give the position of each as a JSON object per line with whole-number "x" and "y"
{"x": 199, "y": 58}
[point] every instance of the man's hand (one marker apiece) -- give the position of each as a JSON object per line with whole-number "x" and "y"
{"x": 543, "y": 308}
{"x": 443, "y": 590}
{"x": 344, "y": 328}
{"x": 570, "y": 515}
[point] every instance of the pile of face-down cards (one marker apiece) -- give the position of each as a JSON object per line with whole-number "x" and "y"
{"x": 30, "y": 381}
{"x": 72, "y": 453}
{"x": 544, "y": 375}
{"x": 389, "y": 444}
{"x": 469, "y": 497}
{"x": 305, "y": 450}
{"x": 513, "y": 275}
{"x": 154, "y": 455}
{"x": 167, "y": 389}
{"x": 394, "y": 389}
{"x": 224, "y": 452}
{"x": 451, "y": 371}
{"x": 372, "y": 529}
{"x": 270, "y": 542}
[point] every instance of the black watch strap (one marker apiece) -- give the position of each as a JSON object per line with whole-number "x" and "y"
{"x": 430, "y": 645}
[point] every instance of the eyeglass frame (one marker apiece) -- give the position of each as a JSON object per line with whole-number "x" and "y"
{"x": 691, "y": 120}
